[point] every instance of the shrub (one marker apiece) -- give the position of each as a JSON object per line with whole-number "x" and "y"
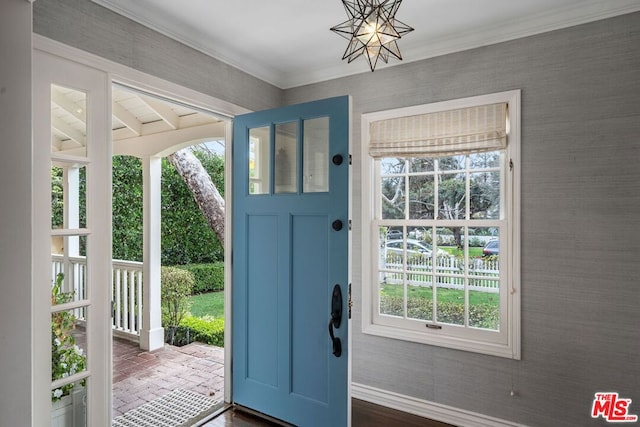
{"x": 480, "y": 315}
{"x": 66, "y": 357}
{"x": 476, "y": 242}
{"x": 177, "y": 286}
{"x": 207, "y": 329}
{"x": 208, "y": 277}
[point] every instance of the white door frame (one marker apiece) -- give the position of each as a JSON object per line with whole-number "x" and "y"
{"x": 118, "y": 73}
{"x": 51, "y": 69}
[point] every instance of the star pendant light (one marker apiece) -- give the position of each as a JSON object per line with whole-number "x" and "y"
{"x": 372, "y": 30}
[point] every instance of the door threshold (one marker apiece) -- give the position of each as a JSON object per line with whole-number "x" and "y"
{"x": 262, "y": 415}
{"x": 242, "y": 409}
{"x": 223, "y": 408}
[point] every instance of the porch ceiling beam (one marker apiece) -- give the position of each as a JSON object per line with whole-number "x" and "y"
{"x": 69, "y": 106}
{"x": 68, "y": 131}
{"x": 127, "y": 119}
{"x": 163, "y": 110}
{"x": 163, "y": 144}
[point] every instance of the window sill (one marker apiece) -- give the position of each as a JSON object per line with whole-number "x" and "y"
{"x": 436, "y": 338}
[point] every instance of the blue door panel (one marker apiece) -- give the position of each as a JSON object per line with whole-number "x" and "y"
{"x": 262, "y": 299}
{"x": 286, "y": 260}
{"x": 310, "y": 253}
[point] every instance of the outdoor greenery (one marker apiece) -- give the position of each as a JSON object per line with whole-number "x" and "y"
{"x": 177, "y": 285}
{"x": 208, "y": 277}
{"x": 474, "y": 252}
{"x": 206, "y": 329}
{"x": 127, "y": 208}
{"x": 186, "y": 236}
{"x": 450, "y": 174}
{"x": 66, "y": 357}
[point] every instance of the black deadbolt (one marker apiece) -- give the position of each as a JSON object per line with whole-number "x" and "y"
{"x": 337, "y": 159}
{"x": 337, "y": 225}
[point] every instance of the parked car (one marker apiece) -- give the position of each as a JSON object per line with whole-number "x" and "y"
{"x": 394, "y": 234}
{"x": 413, "y": 247}
{"x": 491, "y": 248}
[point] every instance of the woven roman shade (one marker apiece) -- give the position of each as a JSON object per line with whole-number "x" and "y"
{"x": 442, "y": 133}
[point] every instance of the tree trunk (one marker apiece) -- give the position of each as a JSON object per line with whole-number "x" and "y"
{"x": 203, "y": 189}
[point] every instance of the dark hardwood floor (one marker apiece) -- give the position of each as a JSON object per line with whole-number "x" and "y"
{"x": 365, "y": 414}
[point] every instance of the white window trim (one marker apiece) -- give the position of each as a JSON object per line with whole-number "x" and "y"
{"x": 508, "y": 345}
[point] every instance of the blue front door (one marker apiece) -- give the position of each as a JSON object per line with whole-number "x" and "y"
{"x": 291, "y": 262}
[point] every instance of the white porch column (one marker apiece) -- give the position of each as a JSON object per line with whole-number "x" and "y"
{"x": 152, "y": 334}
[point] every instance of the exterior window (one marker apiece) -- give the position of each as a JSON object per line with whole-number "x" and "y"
{"x": 443, "y": 264}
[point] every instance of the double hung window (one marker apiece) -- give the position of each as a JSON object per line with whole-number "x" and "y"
{"x": 441, "y": 203}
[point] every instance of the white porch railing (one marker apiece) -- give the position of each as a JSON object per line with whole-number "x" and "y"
{"x": 482, "y": 274}
{"x": 126, "y": 290}
{"x": 126, "y": 296}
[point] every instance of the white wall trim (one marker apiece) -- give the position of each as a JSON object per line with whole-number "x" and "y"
{"x": 427, "y": 409}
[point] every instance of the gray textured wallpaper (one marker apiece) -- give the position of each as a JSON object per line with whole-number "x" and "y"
{"x": 90, "y": 27}
{"x": 580, "y": 224}
{"x": 580, "y": 201}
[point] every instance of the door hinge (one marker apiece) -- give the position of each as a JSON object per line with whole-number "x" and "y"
{"x": 350, "y": 301}
{"x": 510, "y": 164}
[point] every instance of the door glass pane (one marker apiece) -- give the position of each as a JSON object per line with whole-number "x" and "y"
{"x": 286, "y": 162}
{"x": 68, "y": 196}
{"x": 69, "y": 270}
{"x": 316, "y": 155}
{"x": 68, "y": 349}
{"x": 259, "y": 160}
{"x": 70, "y": 408}
{"x": 68, "y": 121}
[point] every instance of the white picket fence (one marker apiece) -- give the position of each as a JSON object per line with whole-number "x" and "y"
{"x": 449, "y": 272}
{"x": 126, "y": 289}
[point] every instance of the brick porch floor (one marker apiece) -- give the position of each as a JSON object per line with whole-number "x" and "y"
{"x": 140, "y": 376}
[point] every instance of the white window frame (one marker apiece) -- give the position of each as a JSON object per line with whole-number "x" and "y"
{"x": 506, "y": 341}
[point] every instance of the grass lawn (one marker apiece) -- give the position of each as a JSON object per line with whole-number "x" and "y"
{"x": 474, "y": 252}
{"x": 211, "y": 304}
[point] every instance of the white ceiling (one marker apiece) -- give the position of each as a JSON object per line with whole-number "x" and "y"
{"x": 288, "y": 42}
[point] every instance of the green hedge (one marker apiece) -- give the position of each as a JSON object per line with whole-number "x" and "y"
{"x": 208, "y": 277}
{"x": 205, "y": 329}
{"x": 481, "y": 315}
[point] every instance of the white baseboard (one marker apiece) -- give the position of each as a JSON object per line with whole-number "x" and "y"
{"x": 426, "y": 409}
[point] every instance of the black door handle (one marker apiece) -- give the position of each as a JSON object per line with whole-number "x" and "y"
{"x": 336, "y": 225}
{"x": 336, "y": 319}
{"x": 337, "y": 344}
